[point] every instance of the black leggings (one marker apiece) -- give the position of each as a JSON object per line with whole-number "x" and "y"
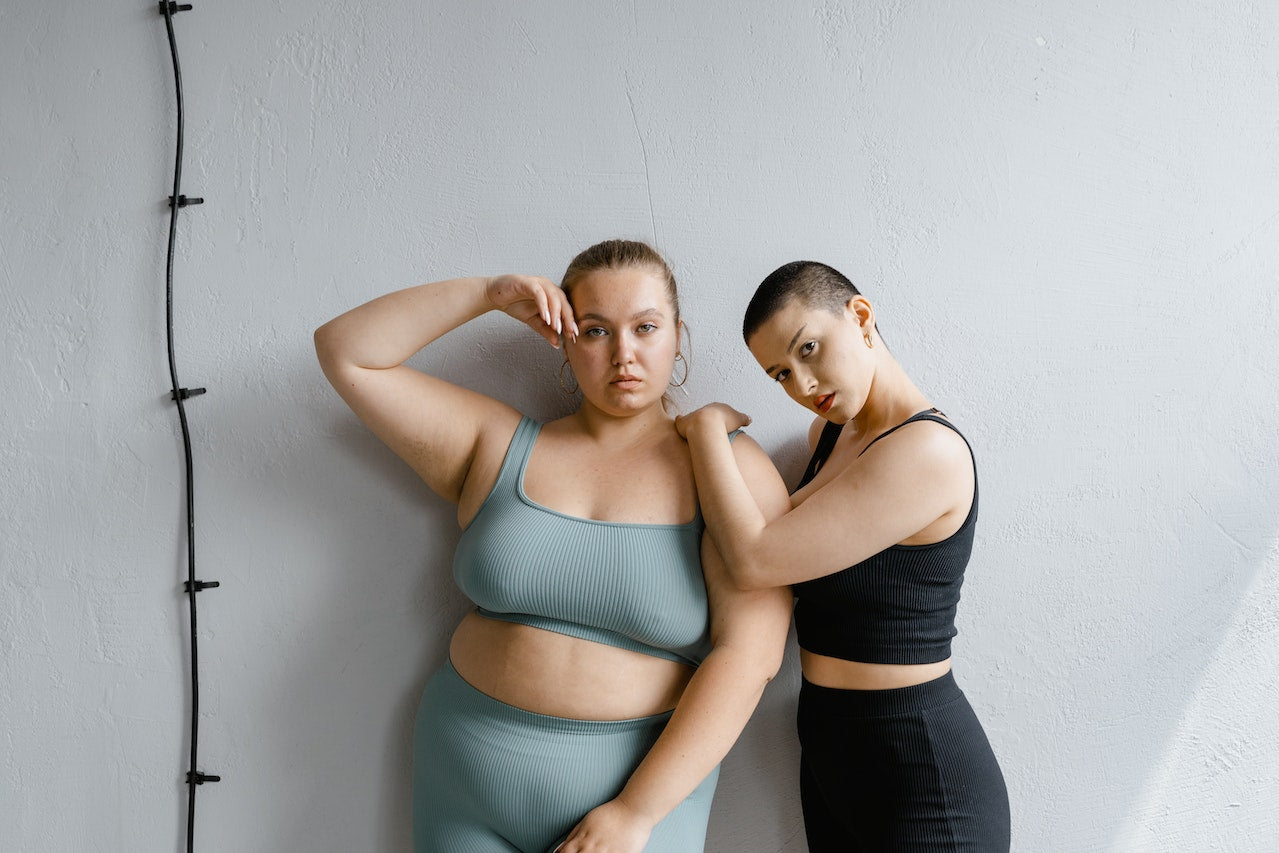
{"x": 907, "y": 770}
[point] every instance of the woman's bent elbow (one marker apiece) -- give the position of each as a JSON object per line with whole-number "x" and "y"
{"x": 750, "y": 576}
{"x": 327, "y": 348}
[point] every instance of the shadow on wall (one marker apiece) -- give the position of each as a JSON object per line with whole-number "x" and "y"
{"x": 374, "y": 630}
{"x": 1172, "y": 696}
{"x": 1210, "y": 657}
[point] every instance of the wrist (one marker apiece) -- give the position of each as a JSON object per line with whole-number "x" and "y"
{"x": 706, "y": 424}
{"x": 646, "y": 814}
{"x": 485, "y": 283}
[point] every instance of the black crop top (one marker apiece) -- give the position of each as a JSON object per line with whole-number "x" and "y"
{"x": 897, "y": 606}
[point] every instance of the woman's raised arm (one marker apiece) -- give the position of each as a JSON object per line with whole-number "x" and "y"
{"x": 433, "y": 425}
{"x": 905, "y": 483}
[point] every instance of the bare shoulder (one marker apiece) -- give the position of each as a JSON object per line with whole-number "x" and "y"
{"x": 748, "y": 452}
{"x": 926, "y": 449}
{"x": 940, "y": 439}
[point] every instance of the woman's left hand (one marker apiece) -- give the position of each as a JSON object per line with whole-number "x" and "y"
{"x": 611, "y": 828}
{"x": 718, "y": 416}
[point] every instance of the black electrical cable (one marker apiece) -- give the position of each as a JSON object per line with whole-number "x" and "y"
{"x": 179, "y": 395}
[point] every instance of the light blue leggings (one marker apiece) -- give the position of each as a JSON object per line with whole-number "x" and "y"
{"x": 492, "y": 778}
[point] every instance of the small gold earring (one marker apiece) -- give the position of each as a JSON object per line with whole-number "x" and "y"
{"x": 869, "y": 343}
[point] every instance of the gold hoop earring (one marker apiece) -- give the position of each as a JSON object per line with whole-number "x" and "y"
{"x": 563, "y": 386}
{"x": 679, "y": 356}
{"x": 869, "y": 343}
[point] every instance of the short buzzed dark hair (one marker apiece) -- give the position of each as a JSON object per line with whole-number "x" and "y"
{"x": 817, "y": 284}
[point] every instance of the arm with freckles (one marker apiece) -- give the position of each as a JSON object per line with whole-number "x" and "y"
{"x": 902, "y": 485}
{"x": 748, "y": 635}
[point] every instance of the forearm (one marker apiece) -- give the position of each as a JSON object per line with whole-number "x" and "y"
{"x": 733, "y": 519}
{"x": 388, "y": 330}
{"x": 715, "y": 707}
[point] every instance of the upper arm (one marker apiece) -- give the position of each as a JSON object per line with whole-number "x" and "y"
{"x": 438, "y": 428}
{"x": 900, "y": 486}
{"x": 758, "y": 617}
{"x": 761, "y": 477}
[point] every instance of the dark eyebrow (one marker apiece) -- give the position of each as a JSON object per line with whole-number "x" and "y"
{"x": 789, "y": 347}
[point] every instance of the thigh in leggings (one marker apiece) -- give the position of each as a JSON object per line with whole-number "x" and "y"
{"x": 492, "y": 778}
{"x": 906, "y": 771}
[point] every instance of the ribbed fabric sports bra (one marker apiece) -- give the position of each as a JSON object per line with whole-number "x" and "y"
{"x": 897, "y": 606}
{"x": 634, "y": 586}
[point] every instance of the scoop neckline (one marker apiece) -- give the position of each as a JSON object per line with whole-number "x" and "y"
{"x": 523, "y": 496}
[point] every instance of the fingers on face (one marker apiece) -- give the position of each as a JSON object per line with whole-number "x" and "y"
{"x": 562, "y": 315}
{"x": 553, "y": 309}
{"x": 547, "y": 311}
{"x": 543, "y": 304}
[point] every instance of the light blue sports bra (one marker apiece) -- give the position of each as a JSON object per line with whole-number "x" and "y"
{"x": 634, "y": 586}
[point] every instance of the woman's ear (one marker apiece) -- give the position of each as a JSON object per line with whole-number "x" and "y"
{"x": 861, "y": 312}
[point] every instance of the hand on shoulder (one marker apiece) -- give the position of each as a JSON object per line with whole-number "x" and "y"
{"x": 717, "y": 417}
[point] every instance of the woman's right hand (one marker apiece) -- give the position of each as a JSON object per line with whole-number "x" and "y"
{"x": 719, "y": 418}
{"x": 535, "y": 301}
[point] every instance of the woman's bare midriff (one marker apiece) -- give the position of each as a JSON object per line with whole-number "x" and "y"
{"x": 855, "y": 675}
{"x": 563, "y": 676}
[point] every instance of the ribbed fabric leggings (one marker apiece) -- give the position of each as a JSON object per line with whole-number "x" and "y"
{"x": 492, "y": 778}
{"x": 898, "y": 771}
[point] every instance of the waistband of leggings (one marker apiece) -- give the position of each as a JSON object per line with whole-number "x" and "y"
{"x": 881, "y": 703}
{"x": 500, "y": 712}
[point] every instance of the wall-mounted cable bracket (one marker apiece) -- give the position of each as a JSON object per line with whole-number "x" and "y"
{"x": 183, "y": 201}
{"x": 171, "y": 8}
{"x": 201, "y": 778}
{"x": 197, "y": 586}
{"x": 185, "y": 393}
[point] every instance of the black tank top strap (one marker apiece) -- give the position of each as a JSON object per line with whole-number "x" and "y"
{"x": 831, "y": 431}
{"x": 938, "y": 416}
{"x": 926, "y": 415}
{"x": 825, "y": 444}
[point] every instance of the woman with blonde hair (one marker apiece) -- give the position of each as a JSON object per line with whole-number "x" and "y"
{"x": 610, "y": 663}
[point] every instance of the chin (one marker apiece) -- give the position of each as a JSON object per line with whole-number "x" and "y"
{"x": 835, "y": 414}
{"x": 625, "y": 402}
{"x": 631, "y": 405}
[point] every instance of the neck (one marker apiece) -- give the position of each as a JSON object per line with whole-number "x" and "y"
{"x": 892, "y": 398}
{"x": 600, "y": 425}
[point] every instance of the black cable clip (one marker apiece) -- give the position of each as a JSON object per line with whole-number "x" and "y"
{"x": 186, "y": 393}
{"x": 196, "y": 586}
{"x": 196, "y": 778}
{"x": 183, "y": 201}
{"x": 173, "y": 8}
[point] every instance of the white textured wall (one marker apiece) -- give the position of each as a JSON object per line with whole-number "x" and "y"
{"x": 1067, "y": 212}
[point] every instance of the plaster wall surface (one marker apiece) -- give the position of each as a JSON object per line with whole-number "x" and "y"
{"x": 1066, "y": 213}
